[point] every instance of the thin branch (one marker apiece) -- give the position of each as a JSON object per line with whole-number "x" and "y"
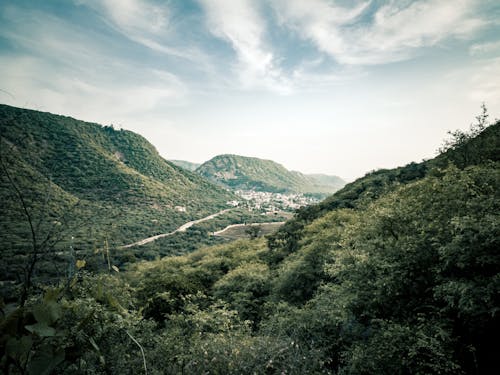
{"x": 142, "y": 351}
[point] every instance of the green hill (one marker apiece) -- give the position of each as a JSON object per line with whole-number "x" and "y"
{"x": 185, "y": 164}
{"x": 248, "y": 173}
{"x": 88, "y": 183}
{"x": 482, "y": 148}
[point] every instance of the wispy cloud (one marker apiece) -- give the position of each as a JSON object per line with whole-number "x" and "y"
{"x": 143, "y": 22}
{"x": 239, "y": 23}
{"x": 58, "y": 89}
{"x": 61, "y": 69}
{"x": 485, "y": 49}
{"x": 136, "y": 16}
{"x": 393, "y": 32}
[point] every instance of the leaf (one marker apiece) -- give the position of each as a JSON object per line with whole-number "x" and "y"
{"x": 80, "y": 263}
{"x": 115, "y": 268}
{"x": 48, "y": 312}
{"x": 41, "y": 329}
{"x": 94, "y": 345}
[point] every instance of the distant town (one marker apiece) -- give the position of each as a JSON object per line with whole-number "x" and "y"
{"x": 272, "y": 202}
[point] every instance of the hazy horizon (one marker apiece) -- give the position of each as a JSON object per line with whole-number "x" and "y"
{"x": 332, "y": 87}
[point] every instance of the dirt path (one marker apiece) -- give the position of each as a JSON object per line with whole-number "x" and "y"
{"x": 182, "y": 228}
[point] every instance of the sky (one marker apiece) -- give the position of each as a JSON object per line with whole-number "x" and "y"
{"x": 340, "y": 87}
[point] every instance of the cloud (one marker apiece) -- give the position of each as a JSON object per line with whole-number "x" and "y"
{"x": 143, "y": 22}
{"x": 484, "y": 49}
{"x": 239, "y": 23}
{"x": 393, "y": 32}
{"x": 38, "y": 84}
{"x": 132, "y": 17}
{"x": 56, "y": 67}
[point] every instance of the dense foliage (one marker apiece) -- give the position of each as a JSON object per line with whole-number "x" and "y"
{"x": 247, "y": 173}
{"x": 398, "y": 273}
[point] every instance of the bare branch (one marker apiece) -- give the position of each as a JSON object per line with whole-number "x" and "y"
{"x": 142, "y": 351}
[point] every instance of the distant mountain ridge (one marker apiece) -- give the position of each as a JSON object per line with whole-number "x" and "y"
{"x": 250, "y": 173}
{"x": 185, "y": 164}
{"x": 327, "y": 180}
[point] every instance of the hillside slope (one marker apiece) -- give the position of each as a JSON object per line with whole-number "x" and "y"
{"x": 97, "y": 182}
{"x": 482, "y": 148}
{"x": 248, "y": 173}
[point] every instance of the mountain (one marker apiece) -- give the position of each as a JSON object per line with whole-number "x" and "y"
{"x": 185, "y": 164}
{"x": 333, "y": 182}
{"x": 249, "y": 173}
{"x": 84, "y": 184}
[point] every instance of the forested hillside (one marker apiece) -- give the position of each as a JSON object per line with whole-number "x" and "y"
{"x": 87, "y": 186}
{"x": 247, "y": 173}
{"x": 397, "y": 273}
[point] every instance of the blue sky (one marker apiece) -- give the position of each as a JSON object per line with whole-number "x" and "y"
{"x": 331, "y": 86}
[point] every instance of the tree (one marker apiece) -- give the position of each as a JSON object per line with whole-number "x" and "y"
{"x": 253, "y": 231}
{"x": 34, "y": 201}
{"x": 459, "y": 140}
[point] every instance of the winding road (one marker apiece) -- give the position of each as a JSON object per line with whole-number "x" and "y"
{"x": 182, "y": 228}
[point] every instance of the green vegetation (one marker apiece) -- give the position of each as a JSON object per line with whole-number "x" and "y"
{"x": 253, "y": 230}
{"x": 246, "y": 173}
{"x": 86, "y": 187}
{"x": 195, "y": 237}
{"x": 397, "y": 273}
{"x": 185, "y": 164}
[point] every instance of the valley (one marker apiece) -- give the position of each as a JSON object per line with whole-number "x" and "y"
{"x": 114, "y": 259}
{"x": 90, "y": 187}
{"x": 238, "y": 187}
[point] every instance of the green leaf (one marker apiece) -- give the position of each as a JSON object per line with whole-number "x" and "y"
{"x": 47, "y": 313}
{"x": 92, "y": 341}
{"x": 41, "y": 329}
